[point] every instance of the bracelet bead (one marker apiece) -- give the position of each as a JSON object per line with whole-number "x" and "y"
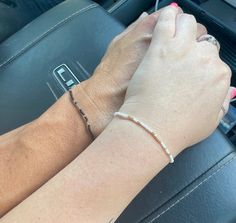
{"x": 147, "y": 129}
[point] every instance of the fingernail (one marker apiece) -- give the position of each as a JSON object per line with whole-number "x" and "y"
{"x": 143, "y": 15}
{"x": 233, "y": 93}
{"x": 174, "y": 4}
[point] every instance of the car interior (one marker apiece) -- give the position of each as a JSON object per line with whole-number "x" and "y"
{"x": 42, "y": 39}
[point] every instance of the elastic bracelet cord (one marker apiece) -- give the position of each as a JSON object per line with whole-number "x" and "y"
{"x": 147, "y": 129}
{"x": 82, "y": 114}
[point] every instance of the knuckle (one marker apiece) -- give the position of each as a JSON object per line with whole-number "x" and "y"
{"x": 190, "y": 17}
{"x": 223, "y": 77}
{"x": 225, "y": 69}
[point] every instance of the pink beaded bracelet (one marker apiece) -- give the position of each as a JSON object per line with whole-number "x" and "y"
{"x": 148, "y": 129}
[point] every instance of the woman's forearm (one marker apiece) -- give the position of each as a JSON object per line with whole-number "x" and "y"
{"x": 100, "y": 183}
{"x": 34, "y": 153}
{"x": 11, "y": 134}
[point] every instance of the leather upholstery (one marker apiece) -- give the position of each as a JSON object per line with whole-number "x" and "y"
{"x": 15, "y": 14}
{"x": 75, "y": 33}
{"x": 199, "y": 187}
{"x": 11, "y": 20}
{"x": 127, "y": 11}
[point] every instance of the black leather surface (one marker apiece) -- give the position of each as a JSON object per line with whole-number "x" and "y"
{"x": 211, "y": 199}
{"x": 76, "y": 33}
{"x": 37, "y": 7}
{"x": 11, "y": 20}
{"x": 127, "y": 11}
{"x": 15, "y": 14}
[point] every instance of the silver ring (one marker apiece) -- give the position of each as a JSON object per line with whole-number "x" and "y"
{"x": 211, "y": 39}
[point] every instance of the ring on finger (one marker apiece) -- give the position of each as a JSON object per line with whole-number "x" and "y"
{"x": 211, "y": 39}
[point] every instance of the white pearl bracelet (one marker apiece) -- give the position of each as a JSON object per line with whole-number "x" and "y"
{"x": 148, "y": 129}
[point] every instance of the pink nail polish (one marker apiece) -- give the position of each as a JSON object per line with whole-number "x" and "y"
{"x": 174, "y": 4}
{"x": 233, "y": 93}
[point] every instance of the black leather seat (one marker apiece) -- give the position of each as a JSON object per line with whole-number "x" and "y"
{"x": 199, "y": 187}
{"x": 15, "y": 14}
{"x": 10, "y": 20}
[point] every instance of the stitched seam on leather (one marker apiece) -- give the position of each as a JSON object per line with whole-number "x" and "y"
{"x": 184, "y": 187}
{"x": 117, "y": 6}
{"x": 195, "y": 177}
{"x": 37, "y": 39}
{"x": 192, "y": 190}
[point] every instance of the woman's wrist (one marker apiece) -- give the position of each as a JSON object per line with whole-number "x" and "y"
{"x": 98, "y": 102}
{"x": 64, "y": 127}
{"x": 156, "y": 123}
{"x": 88, "y": 101}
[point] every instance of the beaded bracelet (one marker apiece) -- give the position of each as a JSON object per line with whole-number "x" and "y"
{"x": 82, "y": 114}
{"x": 148, "y": 129}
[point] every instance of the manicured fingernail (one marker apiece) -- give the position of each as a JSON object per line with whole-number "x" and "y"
{"x": 174, "y": 4}
{"x": 233, "y": 93}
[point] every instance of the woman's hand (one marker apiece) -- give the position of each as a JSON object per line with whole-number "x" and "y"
{"x": 181, "y": 85}
{"x": 103, "y": 94}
